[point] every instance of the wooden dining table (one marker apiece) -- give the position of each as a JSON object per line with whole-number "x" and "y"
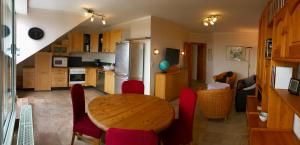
{"x": 131, "y": 111}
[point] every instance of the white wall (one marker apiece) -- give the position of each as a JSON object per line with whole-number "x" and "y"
{"x": 165, "y": 34}
{"x": 219, "y": 42}
{"x": 54, "y": 24}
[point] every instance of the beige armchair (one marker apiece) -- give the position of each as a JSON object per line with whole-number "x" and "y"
{"x": 215, "y": 104}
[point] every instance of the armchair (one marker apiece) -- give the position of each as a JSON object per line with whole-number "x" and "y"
{"x": 244, "y": 88}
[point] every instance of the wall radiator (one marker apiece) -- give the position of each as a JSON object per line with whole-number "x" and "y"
{"x": 25, "y": 133}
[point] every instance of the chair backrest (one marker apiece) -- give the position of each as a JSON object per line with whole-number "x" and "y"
{"x": 133, "y": 86}
{"x": 78, "y": 102}
{"x": 116, "y": 136}
{"x": 187, "y": 105}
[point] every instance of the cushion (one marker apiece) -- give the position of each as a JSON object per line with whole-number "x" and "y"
{"x": 217, "y": 85}
{"x": 87, "y": 127}
{"x": 221, "y": 79}
{"x": 250, "y": 87}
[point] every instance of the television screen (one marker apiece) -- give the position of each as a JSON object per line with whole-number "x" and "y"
{"x": 172, "y": 55}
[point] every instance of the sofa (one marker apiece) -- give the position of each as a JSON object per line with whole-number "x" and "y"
{"x": 244, "y": 88}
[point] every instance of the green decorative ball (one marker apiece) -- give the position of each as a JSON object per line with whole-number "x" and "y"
{"x": 164, "y": 65}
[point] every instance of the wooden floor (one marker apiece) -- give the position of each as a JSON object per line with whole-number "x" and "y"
{"x": 52, "y": 113}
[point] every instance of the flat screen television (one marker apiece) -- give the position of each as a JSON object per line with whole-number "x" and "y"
{"x": 172, "y": 55}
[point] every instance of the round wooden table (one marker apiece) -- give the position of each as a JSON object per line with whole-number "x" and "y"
{"x": 131, "y": 111}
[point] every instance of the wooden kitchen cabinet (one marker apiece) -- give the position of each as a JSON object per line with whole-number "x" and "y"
{"x": 94, "y": 42}
{"x": 43, "y": 66}
{"x": 106, "y": 41}
{"x": 59, "y": 77}
{"x": 294, "y": 23}
{"x": 28, "y": 78}
{"x": 110, "y": 39}
{"x": 91, "y": 77}
{"x": 76, "y": 42}
{"x": 115, "y": 36}
{"x": 109, "y": 82}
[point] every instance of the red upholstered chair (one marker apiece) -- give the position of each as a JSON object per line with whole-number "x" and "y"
{"x": 115, "y": 136}
{"x": 82, "y": 125}
{"x": 181, "y": 131}
{"x": 133, "y": 86}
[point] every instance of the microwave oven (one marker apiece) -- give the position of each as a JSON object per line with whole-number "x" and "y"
{"x": 59, "y": 61}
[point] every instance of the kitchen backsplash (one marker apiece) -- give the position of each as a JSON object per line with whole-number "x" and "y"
{"x": 104, "y": 57}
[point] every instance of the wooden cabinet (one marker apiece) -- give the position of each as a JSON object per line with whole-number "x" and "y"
{"x": 94, "y": 42}
{"x": 115, "y": 36}
{"x": 110, "y": 39}
{"x": 91, "y": 77}
{"x": 28, "y": 78}
{"x": 76, "y": 42}
{"x": 294, "y": 23}
{"x": 43, "y": 63}
{"x": 168, "y": 85}
{"x": 109, "y": 82}
{"x": 59, "y": 77}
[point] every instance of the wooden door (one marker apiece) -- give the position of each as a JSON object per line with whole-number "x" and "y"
{"x": 188, "y": 60}
{"x": 43, "y": 64}
{"x": 115, "y": 36}
{"x": 201, "y": 63}
{"x": 91, "y": 77}
{"x": 94, "y": 42}
{"x": 106, "y": 41}
{"x": 77, "y": 42}
{"x": 109, "y": 82}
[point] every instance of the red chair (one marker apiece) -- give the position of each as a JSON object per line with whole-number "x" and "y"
{"x": 181, "y": 130}
{"x": 82, "y": 125}
{"x": 133, "y": 86}
{"x": 115, "y": 136}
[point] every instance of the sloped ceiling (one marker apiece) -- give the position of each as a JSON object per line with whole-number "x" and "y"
{"x": 237, "y": 15}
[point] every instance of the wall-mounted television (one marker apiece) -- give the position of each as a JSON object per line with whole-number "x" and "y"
{"x": 172, "y": 55}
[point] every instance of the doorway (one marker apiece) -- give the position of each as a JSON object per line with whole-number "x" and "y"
{"x": 195, "y": 62}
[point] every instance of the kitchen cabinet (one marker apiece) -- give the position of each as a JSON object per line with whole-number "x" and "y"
{"x": 110, "y": 39}
{"x": 76, "y": 42}
{"x": 28, "y": 78}
{"x": 294, "y": 23}
{"x": 59, "y": 77}
{"x": 91, "y": 77}
{"x": 109, "y": 82}
{"x": 43, "y": 63}
{"x": 94, "y": 42}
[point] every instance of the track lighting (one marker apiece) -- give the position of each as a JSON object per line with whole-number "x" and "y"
{"x": 94, "y": 14}
{"x": 210, "y": 20}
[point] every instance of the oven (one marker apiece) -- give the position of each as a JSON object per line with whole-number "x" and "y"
{"x": 77, "y": 76}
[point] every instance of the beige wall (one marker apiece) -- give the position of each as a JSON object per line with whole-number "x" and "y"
{"x": 219, "y": 42}
{"x": 164, "y": 34}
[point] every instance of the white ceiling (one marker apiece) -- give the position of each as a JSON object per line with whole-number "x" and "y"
{"x": 236, "y": 15}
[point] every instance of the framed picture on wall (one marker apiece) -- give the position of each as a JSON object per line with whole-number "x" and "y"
{"x": 236, "y": 53}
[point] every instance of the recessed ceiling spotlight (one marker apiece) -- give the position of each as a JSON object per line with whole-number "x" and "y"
{"x": 94, "y": 14}
{"x": 210, "y": 20}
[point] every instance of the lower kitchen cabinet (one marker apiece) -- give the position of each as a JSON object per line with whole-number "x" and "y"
{"x": 91, "y": 77}
{"x": 59, "y": 77}
{"x": 109, "y": 82}
{"x": 28, "y": 78}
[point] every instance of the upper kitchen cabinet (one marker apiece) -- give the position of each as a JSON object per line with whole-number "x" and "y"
{"x": 110, "y": 39}
{"x": 94, "y": 41}
{"x": 294, "y": 23}
{"x": 76, "y": 43}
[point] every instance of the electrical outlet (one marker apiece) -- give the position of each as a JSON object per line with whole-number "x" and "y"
{"x": 297, "y": 126}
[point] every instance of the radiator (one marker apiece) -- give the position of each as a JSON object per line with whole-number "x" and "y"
{"x": 25, "y": 133}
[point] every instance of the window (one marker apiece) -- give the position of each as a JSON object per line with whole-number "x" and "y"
{"x": 7, "y": 70}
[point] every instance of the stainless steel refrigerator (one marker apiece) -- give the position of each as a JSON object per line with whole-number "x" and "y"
{"x": 129, "y": 62}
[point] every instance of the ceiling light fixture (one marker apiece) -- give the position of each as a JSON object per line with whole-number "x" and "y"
{"x": 210, "y": 20}
{"x": 94, "y": 14}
